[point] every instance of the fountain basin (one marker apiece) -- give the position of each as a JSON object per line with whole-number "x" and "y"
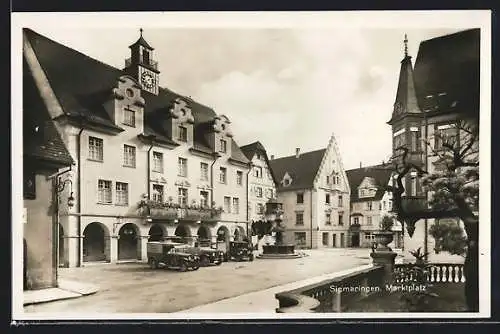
{"x": 281, "y": 251}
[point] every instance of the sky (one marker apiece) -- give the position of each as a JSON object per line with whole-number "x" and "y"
{"x": 285, "y": 87}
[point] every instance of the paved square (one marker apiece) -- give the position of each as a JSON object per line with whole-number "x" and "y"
{"x": 135, "y": 288}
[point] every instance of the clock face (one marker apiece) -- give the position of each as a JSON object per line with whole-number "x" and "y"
{"x": 148, "y": 79}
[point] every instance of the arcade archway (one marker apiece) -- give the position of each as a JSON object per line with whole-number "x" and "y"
{"x": 204, "y": 236}
{"x": 95, "y": 242}
{"x": 129, "y": 242}
{"x": 157, "y": 233}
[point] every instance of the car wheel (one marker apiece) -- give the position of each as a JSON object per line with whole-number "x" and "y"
{"x": 153, "y": 264}
{"x": 218, "y": 263}
{"x": 195, "y": 267}
{"x": 205, "y": 261}
{"x": 250, "y": 257}
{"x": 183, "y": 267}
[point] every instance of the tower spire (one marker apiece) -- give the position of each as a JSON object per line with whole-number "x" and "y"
{"x": 406, "y": 45}
{"x": 140, "y": 30}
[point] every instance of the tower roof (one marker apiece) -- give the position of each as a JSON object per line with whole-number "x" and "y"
{"x": 406, "y": 97}
{"x": 141, "y": 41}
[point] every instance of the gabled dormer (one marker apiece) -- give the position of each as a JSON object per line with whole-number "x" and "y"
{"x": 287, "y": 180}
{"x": 220, "y": 135}
{"x": 125, "y": 106}
{"x": 367, "y": 188}
{"x": 180, "y": 122}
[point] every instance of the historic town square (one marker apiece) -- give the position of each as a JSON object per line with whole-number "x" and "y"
{"x": 263, "y": 170}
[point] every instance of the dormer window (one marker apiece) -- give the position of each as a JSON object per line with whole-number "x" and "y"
{"x": 129, "y": 117}
{"x": 223, "y": 146}
{"x": 182, "y": 134}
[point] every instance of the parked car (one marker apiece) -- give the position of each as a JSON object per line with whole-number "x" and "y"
{"x": 240, "y": 250}
{"x": 170, "y": 255}
{"x": 207, "y": 255}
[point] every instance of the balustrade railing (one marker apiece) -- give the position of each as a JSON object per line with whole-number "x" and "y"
{"x": 436, "y": 273}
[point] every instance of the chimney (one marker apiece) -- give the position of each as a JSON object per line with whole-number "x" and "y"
{"x": 297, "y": 152}
{"x": 272, "y": 156}
{"x": 360, "y": 165}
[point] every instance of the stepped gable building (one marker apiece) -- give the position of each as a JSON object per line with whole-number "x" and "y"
{"x": 314, "y": 190}
{"x": 150, "y": 163}
{"x": 370, "y": 202}
{"x": 261, "y": 181}
{"x": 45, "y": 157}
{"x": 431, "y": 97}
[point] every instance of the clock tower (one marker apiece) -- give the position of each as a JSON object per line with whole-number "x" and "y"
{"x": 141, "y": 65}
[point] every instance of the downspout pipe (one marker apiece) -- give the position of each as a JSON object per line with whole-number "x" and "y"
{"x": 79, "y": 187}
{"x": 149, "y": 169}
{"x": 216, "y": 156}
{"x": 311, "y": 204}
{"x": 250, "y": 165}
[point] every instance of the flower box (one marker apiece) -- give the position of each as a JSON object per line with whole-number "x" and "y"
{"x": 165, "y": 213}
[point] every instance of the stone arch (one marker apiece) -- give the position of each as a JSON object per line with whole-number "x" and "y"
{"x": 223, "y": 234}
{"x": 239, "y": 234}
{"x": 129, "y": 242}
{"x": 96, "y": 242}
{"x": 204, "y": 235}
{"x": 183, "y": 231}
{"x": 157, "y": 232}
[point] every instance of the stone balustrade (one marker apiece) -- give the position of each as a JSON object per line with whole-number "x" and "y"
{"x": 437, "y": 273}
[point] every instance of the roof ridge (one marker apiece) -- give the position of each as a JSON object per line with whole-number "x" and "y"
{"x": 302, "y": 153}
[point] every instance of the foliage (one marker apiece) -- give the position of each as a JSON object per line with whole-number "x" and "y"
{"x": 387, "y": 223}
{"x": 449, "y": 237}
{"x": 417, "y": 274}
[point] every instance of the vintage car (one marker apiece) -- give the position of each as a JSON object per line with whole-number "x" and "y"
{"x": 170, "y": 255}
{"x": 240, "y": 250}
{"x": 207, "y": 255}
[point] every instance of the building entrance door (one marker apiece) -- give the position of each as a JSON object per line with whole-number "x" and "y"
{"x": 355, "y": 240}
{"x": 342, "y": 241}
{"x": 334, "y": 240}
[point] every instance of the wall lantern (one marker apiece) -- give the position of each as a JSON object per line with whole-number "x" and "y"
{"x": 60, "y": 187}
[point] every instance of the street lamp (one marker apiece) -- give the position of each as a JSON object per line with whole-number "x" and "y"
{"x": 60, "y": 187}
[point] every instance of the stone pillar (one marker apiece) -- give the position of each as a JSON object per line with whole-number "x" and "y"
{"x": 144, "y": 248}
{"x": 113, "y": 249}
{"x": 73, "y": 242}
{"x": 385, "y": 259}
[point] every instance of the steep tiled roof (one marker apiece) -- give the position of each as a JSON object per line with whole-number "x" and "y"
{"x": 81, "y": 83}
{"x": 380, "y": 174}
{"x": 250, "y": 149}
{"x": 41, "y": 140}
{"x": 302, "y": 170}
{"x": 449, "y": 65}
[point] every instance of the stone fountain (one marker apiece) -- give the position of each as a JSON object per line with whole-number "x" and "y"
{"x": 280, "y": 249}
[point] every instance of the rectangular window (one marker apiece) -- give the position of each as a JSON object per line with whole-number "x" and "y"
{"x": 158, "y": 193}
{"x": 223, "y": 146}
{"x": 328, "y": 179}
{"x": 413, "y": 187}
{"x": 129, "y": 117}
{"x": 300, "y": 198}
{"x": 223, "y": 175}
{"x": 269, "y": 193}
{"x": 128, "y": 156}
{"x": 356, "y": 221}
{"x": 445, "y": 134}
{"x": 227, "y": 204}
{"x": 257, "y": 172}
{"x": 340, "y": 201}
{"x": 204, "y": 171}
{"x": 300, "y": 238}
{"x": 239, "y": 178}
{"x": 183, "y": 133}
{"x": 204, "y": 199}
{"x": 236, "y": 205}
{"x": 369, "y": 221}
{"x": 259, "y": 191}
{"x": 158, "y": 162}
{"x": 182, "y": 167}
{"x": 327, "y": 219}
{"x": 325, "y": 239}
{"x": 415, "y": 141}
{"x": 104, "y": 192}
{"x": 384, "y": 205}
{"x": 299, "y": 218}
{"x": 341, "y": 220}
{"x": 368, "y": 205}
{"x": 96, "y": 149}
{"x": 182, "y": 197}
{"x": 400, "y": 140}
{"x": 121, "y": 193}
{"x": 327, "y": 198}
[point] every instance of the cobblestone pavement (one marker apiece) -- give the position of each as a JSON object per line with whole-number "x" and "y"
{"x": 135, "y": 288}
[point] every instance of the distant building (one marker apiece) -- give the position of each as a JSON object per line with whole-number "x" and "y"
{"x": 150, "y": 163}
{"x": 314, "y": 190}
{"x": 261, "y": 181}
{"x": 370, "y": 202}
{"x": 45, "y": 157}
{"x": 442, "y": 89}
